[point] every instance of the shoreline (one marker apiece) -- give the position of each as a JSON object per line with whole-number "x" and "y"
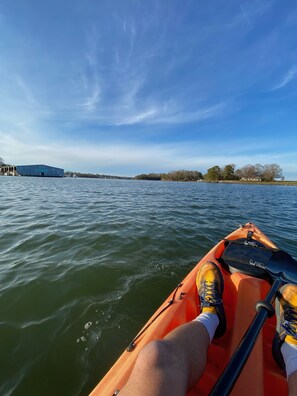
{"x": 273, "y": 183}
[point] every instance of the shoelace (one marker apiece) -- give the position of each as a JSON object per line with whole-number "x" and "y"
{"x": 290, "y": 322}
{"x": 209, "y": 295}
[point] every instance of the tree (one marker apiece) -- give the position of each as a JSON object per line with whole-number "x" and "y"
{"x": 228, "y": 172}
{"x": 271, "y": 172}
{"x": 259, "y": 171}
{"x": 150, "y": 176}
{"x": 268, "y": 172}
{"x": 248, "y": 172}
{"x": 179, "y": 175}
{"x": 213, "y": 173}
{"x": 183, "y": 175}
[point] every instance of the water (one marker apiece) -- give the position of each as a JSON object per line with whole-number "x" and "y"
{"x": 84, "y": 263}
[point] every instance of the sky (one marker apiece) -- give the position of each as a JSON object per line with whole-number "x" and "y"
{"x": 124, "y": 87}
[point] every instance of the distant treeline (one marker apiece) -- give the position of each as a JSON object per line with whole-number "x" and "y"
{"x": 257, "y": 172}
{"x": 93, "y": 176}
{"x": 180, "y": 175}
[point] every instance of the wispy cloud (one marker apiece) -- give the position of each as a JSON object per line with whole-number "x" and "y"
{"x": 93, "y": 98}
{"x": 26, "y": 90}
{"x": 145, "y": 116}
{"x": 180, "y": 117}
{"x": 289, "y": 76}
{"x": 133, "y": 158}
{"x": 21, "y": 114}
{"x": 158, "y": 114}
{"x": 245, "y": 15}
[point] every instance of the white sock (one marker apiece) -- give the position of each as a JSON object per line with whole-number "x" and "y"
{"x": 210, "y": 321}
{"x": 289, "y": 352}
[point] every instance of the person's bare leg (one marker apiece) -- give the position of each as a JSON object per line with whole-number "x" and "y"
{"x": 172, "y": 365}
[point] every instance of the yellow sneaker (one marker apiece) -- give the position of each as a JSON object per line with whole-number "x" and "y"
{"x": 286, "y": 316}
{"x": 210, "y": 286}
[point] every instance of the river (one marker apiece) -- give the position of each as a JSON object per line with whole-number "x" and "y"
{"x": 85, "y": 262}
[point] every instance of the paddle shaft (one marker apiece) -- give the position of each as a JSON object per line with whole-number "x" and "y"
{"x": 225, "y": 383}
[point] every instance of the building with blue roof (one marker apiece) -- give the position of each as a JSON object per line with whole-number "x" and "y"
{"x": 39, "y": 170}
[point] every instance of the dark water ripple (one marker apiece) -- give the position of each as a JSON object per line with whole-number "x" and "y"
{"x": 84, "y": 263}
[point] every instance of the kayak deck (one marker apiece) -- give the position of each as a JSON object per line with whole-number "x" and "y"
{"x": 261, "y": 375}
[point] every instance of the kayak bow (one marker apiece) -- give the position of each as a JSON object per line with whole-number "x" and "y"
{"x": 246, "y": 250}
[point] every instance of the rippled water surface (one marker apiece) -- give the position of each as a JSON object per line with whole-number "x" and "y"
{"x": 84, "y": 263}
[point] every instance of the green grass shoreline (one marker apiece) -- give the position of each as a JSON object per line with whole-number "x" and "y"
{"x": 273, "y": 183}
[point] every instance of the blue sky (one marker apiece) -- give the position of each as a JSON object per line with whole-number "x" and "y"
{"x": 125, "y": 87}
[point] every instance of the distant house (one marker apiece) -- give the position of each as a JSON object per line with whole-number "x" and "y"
{"x": 254, "y": 179}
{"x": 39, "y": 170}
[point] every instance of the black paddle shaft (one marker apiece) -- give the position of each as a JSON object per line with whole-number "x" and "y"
{"x": 277, "y": 267}
{"x": 225, "y": 384}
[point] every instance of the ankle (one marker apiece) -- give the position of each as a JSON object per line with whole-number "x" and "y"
{"x": 210, "y": 321}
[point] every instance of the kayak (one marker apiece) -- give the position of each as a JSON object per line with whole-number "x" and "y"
{"x": 261, "y": 375}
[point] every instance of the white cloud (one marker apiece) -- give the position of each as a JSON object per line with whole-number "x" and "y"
{"x": 93, "y": 98}
{"x": 171, "y": 114}
{"x": 137, "y": 117}
{"x": 26, "y": 90}
{"x": 244, "y": 13}
{"x": 133, "y": 158}
{"x": 179, "y": 117}
{"x": 289, "y": 76}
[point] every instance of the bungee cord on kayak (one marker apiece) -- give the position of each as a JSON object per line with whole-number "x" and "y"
{"x": 132, "y": 344}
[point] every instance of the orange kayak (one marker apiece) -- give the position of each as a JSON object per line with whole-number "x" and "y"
{"x": 260, "y": 376}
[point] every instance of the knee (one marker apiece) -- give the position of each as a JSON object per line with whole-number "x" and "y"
{"x": 156, "y": 354}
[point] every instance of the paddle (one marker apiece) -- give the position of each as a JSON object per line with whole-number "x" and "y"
{"x": 276, "y": 266}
